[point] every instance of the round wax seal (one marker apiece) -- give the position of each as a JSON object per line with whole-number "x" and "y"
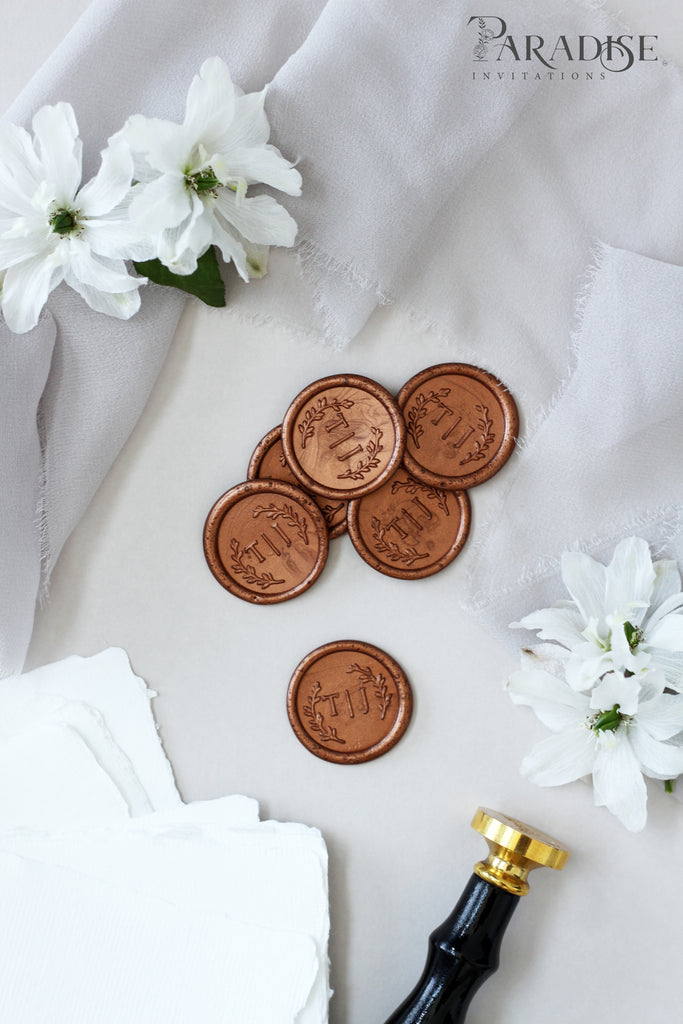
{"x": 349, "y": 702}
{"x": 461, "y": 425}
{"x": 408, "y": 529}
{"x": 269, "y": 463}
{"x": 343, "y": 436}
{"x": 265, "y": 541}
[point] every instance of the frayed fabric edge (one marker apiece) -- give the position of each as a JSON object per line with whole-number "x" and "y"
{"x": 669, "y": 517}
{"x": 596, "y": 261}
{"x": 545, "y": 566}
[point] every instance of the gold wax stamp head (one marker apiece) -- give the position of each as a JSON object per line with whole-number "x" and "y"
{"x": 515, "y": 849}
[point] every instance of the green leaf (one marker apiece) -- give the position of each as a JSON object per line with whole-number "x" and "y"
{"x": 206, "y": 282}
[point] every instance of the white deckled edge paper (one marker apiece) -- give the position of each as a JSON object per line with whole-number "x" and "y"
{"x": 112, "y": 911}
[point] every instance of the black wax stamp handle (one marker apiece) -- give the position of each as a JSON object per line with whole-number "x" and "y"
{"x": 463, "y": 952}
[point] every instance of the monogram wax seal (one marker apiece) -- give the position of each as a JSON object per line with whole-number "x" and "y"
{"x": 343, "y": 436}
{"x": 461, "y": 425}
{"x": 408, "y": 529}
{"x": 349, "y": 702}
{"x": 265, "y": 541}
{"x": 268, "y": 462}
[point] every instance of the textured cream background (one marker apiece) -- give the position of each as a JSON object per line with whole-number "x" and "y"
{"x": 602, "y": 940}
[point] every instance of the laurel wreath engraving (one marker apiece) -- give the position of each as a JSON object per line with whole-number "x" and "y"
{"x": 482, "y": 445}
{"x": 371, "y": 460}
{"x": 406, "y": 555}
{"x": 283, "y": 460}
{"x": 330, "y": 511}
{"x": 481, "y": 48}
{"x": 415, "y": 487}
{"x": 288, "y": 514}
{"x": 316, "y": 719}
{"x": 251, "y": 574}
{"x": 420, "y": 409}
{"x": 379, "y": 686}
{"x": 317, "y": 412}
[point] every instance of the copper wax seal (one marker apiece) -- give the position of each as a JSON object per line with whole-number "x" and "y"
{"x": 461, "y": 425}
{"x": 265, "y": 541}
{"x": 343, "y": 436}
{"x": 408, "y": 529}
{"x": 268, "y": 462}
{"x": 349, "y": 702}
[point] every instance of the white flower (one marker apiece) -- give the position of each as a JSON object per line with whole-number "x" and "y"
{"x": 52, "y": 231}
{"x": 624, "y": 617}
{"x": 194, "y": 177}
{"x": 623, "y": 729}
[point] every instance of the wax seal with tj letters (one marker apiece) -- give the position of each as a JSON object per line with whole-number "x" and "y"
{"x": 408, "y": 529}
{"x": 265, "y": 541}
{"x": 461, "y": 423}
{"x": 343, "y": 436}
{"x": 268, "y": 462}
{"x": 349, "y": 702}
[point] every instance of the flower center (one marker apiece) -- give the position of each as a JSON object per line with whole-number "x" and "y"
{"x": 608, "y": 721}
{"x": 633, "y": 634}
{"x": 203, "y": 181}
{"x": 64, "y": 222}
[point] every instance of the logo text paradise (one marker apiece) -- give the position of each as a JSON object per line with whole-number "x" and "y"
{"x": 613, "y": 53}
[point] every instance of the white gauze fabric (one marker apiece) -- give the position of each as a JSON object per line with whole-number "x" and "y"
{"x": 473, "y": 203}
{"x": 606, "y": 461}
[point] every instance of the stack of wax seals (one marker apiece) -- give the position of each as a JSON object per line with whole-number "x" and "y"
{"x": 395, "y": 472}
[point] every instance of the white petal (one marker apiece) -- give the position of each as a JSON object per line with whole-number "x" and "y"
{"x": 622, "y": 655}
{"x": 619, "y": 784}
{"x": 164, "y": 203}
{"x": 249, "y": 127}
{"x": 105, "y": 286}
{"x": 662, "y": 717}
{"x": 553, "y": 702}
{"x": 666, "y": 586}
{"x": 122, "y": 305}
{"x": 18, "y": 154}
{"x": 110, "y": 185}
{"x": 658, "y": 760}
{"x": 262, "y": 164}
{"x": 260, "y": 219}
{"x": 25, "y": 289}
{"x": 671, "y": 606}
{"x": 163, "y": 143}
{"x": 28, "y": 237}
{"x": 97, "y": 272}
{"x": 118, "y": 239}
{"x": 561, "y": 623}
{"x": 667, "y": 634}
{"x": 549, "y": 657}
{"x": 257, "y": 259}
{"x": 630, "y": 578}
{"x": 231, "y": 248}
{"x": 615, "y": 688}
{"x": 21, "y": 172}
{"x": 59, "y": 149}
{"x": 210, "y": 103}
{"x": 652, "y": 683}
{"x": 180, "y": 247}
{"x": 584, "y": 578}
{"x": 582, "y": 673}
{"x": 561, "y": 758}
{"x": 671, "y": 664}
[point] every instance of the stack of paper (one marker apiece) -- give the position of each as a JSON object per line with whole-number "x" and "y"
{"x": 121, "y": 903}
